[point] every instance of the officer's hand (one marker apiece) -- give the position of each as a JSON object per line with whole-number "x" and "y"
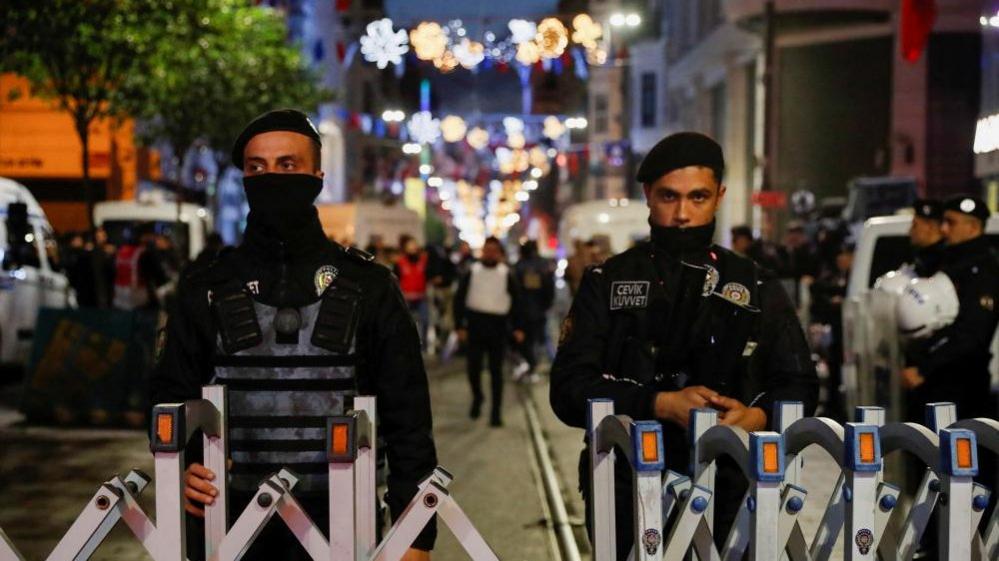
{"x": 414, "y": 554}
{"x": 518, "y": 335}
{"x": 197, "y": 489}
{"x": 675, "y": 406}
{"x": 462, "y": 335}
{"x": 911, "y": 378}
{"x": 733, "y": 412}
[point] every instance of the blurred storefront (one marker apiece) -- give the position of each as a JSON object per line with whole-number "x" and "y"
{"x": 40, "y": 148}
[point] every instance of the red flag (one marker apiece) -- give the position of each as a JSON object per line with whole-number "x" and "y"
{"x": 916, "y": 23}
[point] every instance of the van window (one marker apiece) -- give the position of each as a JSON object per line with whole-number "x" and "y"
{"x": 119, "y": 231}
{"x": 891, "y": 252}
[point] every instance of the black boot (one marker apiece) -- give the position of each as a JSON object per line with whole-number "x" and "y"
{"x": 495, "y": 420}
{"x": 476, "y": 411}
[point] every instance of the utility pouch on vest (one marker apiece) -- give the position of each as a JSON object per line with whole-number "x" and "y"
{"x": 237, "y": 321}
{"x": 338, "y": 316}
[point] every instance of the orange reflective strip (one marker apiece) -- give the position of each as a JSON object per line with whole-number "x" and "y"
{"x": 164, "y": 428}
{"x": 771, "y": 463}
{"x": 650, "y": 447}
{"x": 867, "y": 448}
{"x": 963, "y": 453}
{"x": 340, "y": 433}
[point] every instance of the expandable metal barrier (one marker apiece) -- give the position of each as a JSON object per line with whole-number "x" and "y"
{"x": 351, "y": 454}
{"x": 674, "y": 514}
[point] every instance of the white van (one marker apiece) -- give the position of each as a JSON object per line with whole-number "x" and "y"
{"x": 29, "y": 278}
{"x": 872, "y": 351}
{"x": 356, "y": 223}
{"x": 116, "y": 217}
{"x": 622, "y": 221}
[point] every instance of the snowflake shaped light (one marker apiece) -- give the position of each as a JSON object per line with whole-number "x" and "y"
{"x": 429, "y": 40}
{"x": 586, "y": 31}
{"x": 423, "y": 128}
{"x": 516, "y": 140}
{"x": 553, "y": 127}
{"x": 469, "y": 53}
{"x": 382, "y": 46}
{"x": 477, "y": 138}
{"x": 552, "y": 37}
{"x": 453, "y": 128}
{"x": 446, "y": 62}
{"x": 522, "y": 30}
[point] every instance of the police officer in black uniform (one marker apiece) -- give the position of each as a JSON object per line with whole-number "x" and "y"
{"x": 953, "y": 363}
{"x": 678, "y": 323}
{"x": 294, "y": 325}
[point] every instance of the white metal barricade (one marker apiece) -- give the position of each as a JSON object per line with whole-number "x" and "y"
{"x": 352, "y": 458}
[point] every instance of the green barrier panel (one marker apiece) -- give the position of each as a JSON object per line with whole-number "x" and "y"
{"x": 90, "y": 367}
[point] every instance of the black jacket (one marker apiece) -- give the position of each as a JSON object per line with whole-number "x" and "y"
{"x": 629, "y": 336}
{"x": 391, "y": 366}
{"x": 955, "y": 360}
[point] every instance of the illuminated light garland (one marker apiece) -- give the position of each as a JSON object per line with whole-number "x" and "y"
{"x": 428, "y": 40}
{"x": 552, "y": 37}
{"x": 477, "y": 138}
{"x": 528, "y": 53}
{"x": 453, "y": 128}
{"x": 586, "y": 32}
{"x": 446, "y": 62}
{"x": 553, "y": 127}
{"x": 516, "y": 140}
{"x": 596, "y": 57}
{"x": 383, "y": 46}
{"x": 538, "y": 158}
{"x": 513, "y": 125}
{"x": 522, "y": 30}
{"x": 469, "y": 53}
{"x": 423, "y": 128}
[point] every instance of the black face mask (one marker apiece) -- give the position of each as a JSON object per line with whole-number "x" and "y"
{"x": 677, "y": 241}
{"x": 282, "y": 202}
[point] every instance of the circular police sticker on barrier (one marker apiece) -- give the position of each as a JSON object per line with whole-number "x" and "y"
{"x": 325, "y": 276}
{"x": 651, "y": 540}
{"x": 736, "y": 293}
{"x": 711, "y": 279}
{"x": 864, "y": 540}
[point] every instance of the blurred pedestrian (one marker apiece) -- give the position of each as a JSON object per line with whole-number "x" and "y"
{"x": 138, "y": 273}
{"x": 747, "y": 245}
{"x": 828, "y": 295}
{"x": 486, "y": 307}
{"x": 411, "y": 270}
{"x": 80, "y": 269}
{"x": 537, "y": 282}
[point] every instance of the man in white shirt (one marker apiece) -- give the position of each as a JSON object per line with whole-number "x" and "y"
{"x": 486, "y": 308}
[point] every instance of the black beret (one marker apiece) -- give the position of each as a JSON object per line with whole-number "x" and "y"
{"x": 679, "y": 151}
{"x": 928, "y": 208}
{"x": 972, "y": 206}
{"x": 290, "y": 120}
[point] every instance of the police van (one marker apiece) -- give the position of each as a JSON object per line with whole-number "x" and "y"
{"x": 30, "y": 277}
{"x": 871, "y": 346}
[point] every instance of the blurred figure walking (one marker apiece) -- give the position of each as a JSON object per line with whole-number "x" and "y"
{"x": 486, "y": 306}
{"x": 537, "y": 282}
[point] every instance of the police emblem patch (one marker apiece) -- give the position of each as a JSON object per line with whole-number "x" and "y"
{"x": 324, "y": 277}
{"x": 864, "y": 540}
{"x": 735, "y": 293}
{"x": 711, "y": 279}
{"x": 651, "y": 540}
{"x": 629, "y": 294}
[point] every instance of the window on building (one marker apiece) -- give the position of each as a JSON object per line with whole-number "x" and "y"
{"x": 648, "y": 101}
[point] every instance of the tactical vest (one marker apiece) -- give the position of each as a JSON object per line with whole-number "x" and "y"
{"x": 281, "y": 391}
